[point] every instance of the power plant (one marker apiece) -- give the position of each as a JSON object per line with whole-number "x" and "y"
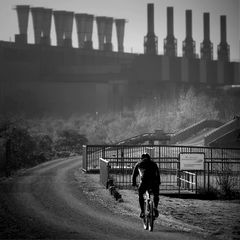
{"x": 49, "y": 78}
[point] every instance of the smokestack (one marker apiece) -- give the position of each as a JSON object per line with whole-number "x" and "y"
{"x": 223, "y": 22}
{"x": 223, "y": 47}
{"x": 46, "y": 26}
{"x": 206, "y": 24}
{"x": 189, "y": 49}
{"x": 81, "y": 20}
{"x": 150, "y": 41}
{"x": 170, "y": 21}
{"x": 37, "y": 16}
{"x": 150, "y": 11}
{"x": 23, "y": 15}
{"x": 59, "y": 26}
{"x": 188, "y": 23}
{"x": 68, "y": 26}
{"x": 206, "y": 45}
{"x": 170, "y": 43}
{"x": 108, "y": 33}
{"x": 89, "y": 30}
{"x": 101, "y": 31}
{"x": 120, "y": 26}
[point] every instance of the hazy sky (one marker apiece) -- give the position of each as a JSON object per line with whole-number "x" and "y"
{"x": 135, "y": 11}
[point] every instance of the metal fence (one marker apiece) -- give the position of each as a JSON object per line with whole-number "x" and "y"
{"x": 220, "y": 164}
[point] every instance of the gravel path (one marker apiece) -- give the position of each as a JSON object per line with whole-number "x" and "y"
{"x": 56, "y": 200}
{"x": 211, "y": 219}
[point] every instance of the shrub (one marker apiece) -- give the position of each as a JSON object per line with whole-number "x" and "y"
{"x": 227, "y": 181}
{"x": 44, "y": 147}
{"x": 69, "y": 140}
{"x": 20, "y": 148}
{"x": 209, "y": 194}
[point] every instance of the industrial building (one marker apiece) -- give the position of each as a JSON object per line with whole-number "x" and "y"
{"x": 42, "y": 78}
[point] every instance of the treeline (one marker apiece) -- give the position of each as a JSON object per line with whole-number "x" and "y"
{"x": 22, "y": 147}
{"x": 32, "y": 141}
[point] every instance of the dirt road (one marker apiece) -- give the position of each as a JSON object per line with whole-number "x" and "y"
{"x": 47, "y": 202}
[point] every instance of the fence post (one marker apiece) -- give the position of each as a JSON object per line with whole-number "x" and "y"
{"x": 208, "y": 177}
{"x": 204, "y": 175}
{"x": 196, "y": 190}
{"x": 84, "y": 159}
{"x": 179, "y": 175}
{"x": 103, "y": 152}
{"x": 104, "y": 172}
{"x": 211, "y": 160}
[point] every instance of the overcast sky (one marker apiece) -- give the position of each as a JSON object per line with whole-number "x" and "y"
{"x": 135, "y": 11}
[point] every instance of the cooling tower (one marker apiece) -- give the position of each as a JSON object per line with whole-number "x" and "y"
{"x": 223, "y": 47}
{"x": 37, "y": 16}
{"x": 170, "y": 43}
{"x": 89, "y": 30}
{"x": 81, "y": 21}
{"x": 189, "y": 50}
{"x": 59, "y": 26}
{"x": 206, "y": 45}
{"x": 120, "y": 26}
{"x": 101, "y": 31}
{"x": 108, "y": 34}
{"x": 150, "y": 40}
{"x": 23, "y": 15}
{"x": 46, "y": 26}
{"x": 68, "y": 27}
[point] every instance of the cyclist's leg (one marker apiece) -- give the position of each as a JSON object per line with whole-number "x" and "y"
{"x": 156, "y": 199}
{"x": 141, "y": 191}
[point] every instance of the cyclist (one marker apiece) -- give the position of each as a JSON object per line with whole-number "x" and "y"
{"x": 149, "y": 179}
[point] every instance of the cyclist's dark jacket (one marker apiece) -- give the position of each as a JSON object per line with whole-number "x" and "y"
{"x": 148, "y": 172}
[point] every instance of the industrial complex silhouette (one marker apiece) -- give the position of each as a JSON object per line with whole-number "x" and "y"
{"x": 62, "y": 79}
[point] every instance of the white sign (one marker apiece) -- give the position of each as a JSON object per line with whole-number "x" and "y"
{"x": 191, "y": 161}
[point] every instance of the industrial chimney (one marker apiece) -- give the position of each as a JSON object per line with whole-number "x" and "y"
{"x": 108, "y": 34}
{"x": 223, "y": 47}
{"x": 170, "y": 43}
{"x": 120, "y": 26}
{"x": 59, "y": 26}
{"x": 101, "y": 31}
{"x": 206, "y": 45}
{"x": 150, "y": 40}
{"x": 189, "y": 50}
{"x": 23, "y": 15}
{"x": 68, "y": 27}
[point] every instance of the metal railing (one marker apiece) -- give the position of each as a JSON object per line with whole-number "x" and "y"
{"x": 219, "y": 164}
{"x": 187, "y": 180}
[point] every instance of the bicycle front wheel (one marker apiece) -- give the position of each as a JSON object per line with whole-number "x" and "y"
{"x": 151, "y": 217}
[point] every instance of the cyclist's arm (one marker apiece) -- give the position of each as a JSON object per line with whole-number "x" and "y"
{"x": 158, "y": 175}
{"x": 134, "y": 175}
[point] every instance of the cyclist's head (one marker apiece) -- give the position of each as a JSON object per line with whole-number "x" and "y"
{"x": 145, "y": 156}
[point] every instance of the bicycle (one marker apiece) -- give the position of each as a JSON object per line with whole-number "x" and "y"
{"x": 149, "y": 213}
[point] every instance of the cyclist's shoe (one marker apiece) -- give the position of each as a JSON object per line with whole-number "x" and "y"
{"x": 156, "y": 213}
{"x": 142, "y": 215}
